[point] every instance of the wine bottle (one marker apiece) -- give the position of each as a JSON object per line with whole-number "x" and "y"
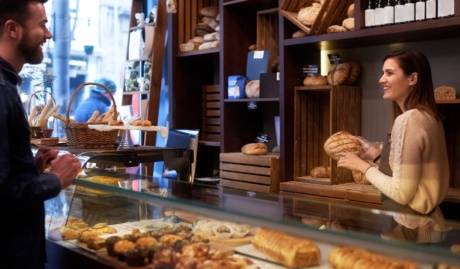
{"x": 379, "y": 13}
{"x": 409, "y": 7}
{"x": 369, "y": 14}
{"x": 420, "y": 9}
{"x": 431, "y": 9}
{"x": 389, "y": 13}
{"x": 400, "y": 12}
{"x": 449, "y": 7}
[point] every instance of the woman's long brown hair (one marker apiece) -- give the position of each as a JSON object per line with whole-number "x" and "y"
{"x": 422, "y": 95}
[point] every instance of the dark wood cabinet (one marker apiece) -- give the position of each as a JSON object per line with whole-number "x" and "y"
{"x": 238, "y": 22}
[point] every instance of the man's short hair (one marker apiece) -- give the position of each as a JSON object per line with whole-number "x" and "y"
{"x": 16, "y": 10}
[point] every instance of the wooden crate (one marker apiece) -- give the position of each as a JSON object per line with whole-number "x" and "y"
{"x": 267, "y": 32}
{"x": 210, "y": 122}
{"x": 258, "y": 173}
{"x": 188, "y": 17}
{"x": 319, "y": 112}
{"x": 332, "y": 12}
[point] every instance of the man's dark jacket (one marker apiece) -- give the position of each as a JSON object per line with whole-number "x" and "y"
{"x": 22, "y": 190}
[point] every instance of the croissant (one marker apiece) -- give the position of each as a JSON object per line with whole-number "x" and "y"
{"x": 290, "y": 251}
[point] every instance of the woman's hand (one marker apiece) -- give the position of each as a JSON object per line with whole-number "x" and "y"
{"x": 352, "y": 162}
{"x": 369, "y": 150}
{"x": 43, "y": 158}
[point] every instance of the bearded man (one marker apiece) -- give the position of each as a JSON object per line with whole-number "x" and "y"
{"x": 24, "y": 186}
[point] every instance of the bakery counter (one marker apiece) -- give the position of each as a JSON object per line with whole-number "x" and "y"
{"x": 247, "y": 226}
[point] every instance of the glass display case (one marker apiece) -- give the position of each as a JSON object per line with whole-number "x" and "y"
{"x": 129, "y": 202}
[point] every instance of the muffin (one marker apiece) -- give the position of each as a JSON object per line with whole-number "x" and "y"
{"x": 163, "y": 259}
{"x": 121, "y": 247}
{"x": 109, "y": 243}
{"x": 134, "y": 257}
{"x": 145, "y": 241}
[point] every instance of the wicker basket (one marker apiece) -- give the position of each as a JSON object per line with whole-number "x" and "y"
{"x": 80, "y": 136}
{"x": 41, "y": 131}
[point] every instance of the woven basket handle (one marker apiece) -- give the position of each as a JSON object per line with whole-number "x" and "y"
{"x": 34, "y": 95}
{"x": 95, "y": 84}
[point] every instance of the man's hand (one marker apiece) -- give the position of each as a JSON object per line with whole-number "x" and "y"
{"x": 44, "y": 157}
{"x": 66, "y": 168}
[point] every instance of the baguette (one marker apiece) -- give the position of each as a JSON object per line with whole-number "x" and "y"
{"x": 44, "y": 112}
{"x": 291, "y": 251}
{"x": 100, "y": 118}
{"x": 109, "y": 114}
{"x": 32, "y": 115}
{"x": 55, "y": 108}
{"x": 61, "y": 118}
{"x": 93, "y": 117}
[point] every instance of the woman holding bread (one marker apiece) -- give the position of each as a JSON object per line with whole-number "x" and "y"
{"x": 24, "y": 186}
{"x": 413, "y": 169}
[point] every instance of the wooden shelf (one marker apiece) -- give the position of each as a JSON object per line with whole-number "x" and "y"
{"x": 245, "y": 100}
{"x": 409, "y": 32}
{"x": 447, "y": 102}
{"x": 209, "y": 143}
{"x": 198, "y": 52}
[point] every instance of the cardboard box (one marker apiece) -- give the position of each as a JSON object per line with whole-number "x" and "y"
{"x": 236, "y": 87}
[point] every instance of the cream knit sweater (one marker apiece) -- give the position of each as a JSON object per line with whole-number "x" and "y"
{"x": 418, "y": 159}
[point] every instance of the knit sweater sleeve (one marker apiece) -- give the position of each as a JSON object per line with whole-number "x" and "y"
{"x": 408, "y": 141}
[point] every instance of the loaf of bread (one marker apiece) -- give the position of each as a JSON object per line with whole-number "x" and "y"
{"x": 359, "y": 177}
{"x": 253, "y": 89}
{"x": 315, "y": 81}
{"x": 291, "y": 251}
{"x": 444, "y": 93}
{"x": 298, "y": 34}
{"x": 348, "y": 257}
{"x": 209, "y": 11}
{"x": 351, "y": 11}
{"x": 321, "y": 172}
{"x": 349, "y": 24}
{"x": 336, "y": 29}
{"x": 341, "y": 142}
{"x": 307, "y": 15}
{"x": 338, "y": 73}
{"x": 142, "y": 123}
{"x": 355, "y": 71}
{"x": 254, "y": 149}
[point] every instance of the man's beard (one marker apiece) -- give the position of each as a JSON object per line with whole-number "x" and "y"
{"x": 32, "y": 53}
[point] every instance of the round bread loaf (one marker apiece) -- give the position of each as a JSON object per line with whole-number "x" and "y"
{"x": 298, "y": 34}
{"x": 320, "y": 172}
{"x": 444, "y": 93}
{"x": 254, "y": 149}
{"x": 307, "y": 15}
{"x": 338, "y": 73}
{"x": 209, "y": 11}
{"x": 253, "y": 89}
{"x": 315, "y": 81}
{"x": 354, "y": 73}
{"x": 351, "y": 11}
{"x": 349, "y": 23}
{"x": 341, "y": 142}
{"x": 336, "y": 29}
{"x": 359, "y": 177}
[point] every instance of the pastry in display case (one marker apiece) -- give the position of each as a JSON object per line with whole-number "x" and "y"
{"x": 125, "y": 220}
